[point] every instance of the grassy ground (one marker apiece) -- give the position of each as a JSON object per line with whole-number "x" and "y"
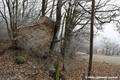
{"x": 108, "y": 59}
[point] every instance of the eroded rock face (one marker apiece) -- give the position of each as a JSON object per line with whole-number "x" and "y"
{"x": 36, "y": 37}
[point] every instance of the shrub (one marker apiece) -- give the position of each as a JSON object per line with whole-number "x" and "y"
{"x": 20, "y": 60}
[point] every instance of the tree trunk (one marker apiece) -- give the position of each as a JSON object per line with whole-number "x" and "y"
{"x": 68, "y": 32}
{"x": 117, "y": 53}
{"x": 91, "y": 39}
{"x": 106, "y": 51}
{"x": 61, "y": 45}
{"x": 13, "y": 13}
{"x": 57, "y": 72}
{"x": 52, "y": 9}
{"x": 43, "y": 8}
{"x": 57, "y": 25}
{"x": 67, "y": 42}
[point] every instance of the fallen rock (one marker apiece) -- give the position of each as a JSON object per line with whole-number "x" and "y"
{"x": 36, "y": 37}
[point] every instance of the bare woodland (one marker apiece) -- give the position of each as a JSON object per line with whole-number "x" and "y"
{"x": 51, "y": 32}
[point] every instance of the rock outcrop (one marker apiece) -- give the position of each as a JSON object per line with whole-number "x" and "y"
{"x": 36, "y": 37}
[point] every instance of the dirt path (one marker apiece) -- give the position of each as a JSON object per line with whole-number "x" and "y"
{"x": 105, "y": 59}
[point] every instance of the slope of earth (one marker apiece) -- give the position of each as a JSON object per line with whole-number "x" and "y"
{"x": 34, "y": 68}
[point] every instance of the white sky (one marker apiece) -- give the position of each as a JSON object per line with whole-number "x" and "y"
{"x": 109, "y": 32}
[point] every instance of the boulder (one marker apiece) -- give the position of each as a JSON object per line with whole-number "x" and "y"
{"x": 36, "y": 37}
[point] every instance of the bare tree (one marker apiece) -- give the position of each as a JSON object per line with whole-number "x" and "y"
{"x": 109, "y": 46}
{"x": 79, "y": 13}
{"x": 115, "y": 46}
{"x": 44, "y": 6}
{"x": 52, "y": 10}
{"x": 106, "y": 42}
{"x": 91, "y": 38}
{"x": 57, "y": 24}
{"x": 80, "y": 41}
{"x": 12, "y": 7}
{"x": 15, "y": 15}
{"x": 82, "y": 16}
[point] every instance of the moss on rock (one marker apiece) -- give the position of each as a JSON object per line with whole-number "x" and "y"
{"x": 20, "y": 60}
